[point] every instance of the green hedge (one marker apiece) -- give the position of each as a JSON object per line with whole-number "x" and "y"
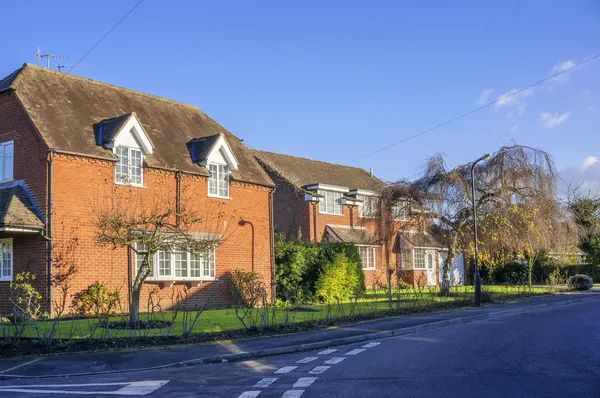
{"x": 300, "y": 265}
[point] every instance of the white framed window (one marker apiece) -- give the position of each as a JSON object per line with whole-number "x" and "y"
{"x": 419, "y": 258}
{"x": 129, "y": 166}
{"x": 406, "y": 259}
{"x": 141, "y": 251}
{"x": 6, "y": 161}
{"x": 180, "y": 265}
{"x": 369, "y": 206}
{"x": 367, "y": 257}
{"x": 6, "y": 260}
{"x": 218, "y": 182}
{"x": 401, "y": 210}
{"x": 330, "y": 203}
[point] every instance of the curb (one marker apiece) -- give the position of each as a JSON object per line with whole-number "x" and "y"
{"x": 245, "y": 355}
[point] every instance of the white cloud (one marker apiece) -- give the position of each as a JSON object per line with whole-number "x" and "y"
{"x": 585, "y": 178}
{"x": 514, "y": 128}
{"x": 484, "y": 96}
{"x": 514, "y": 98}
{"x": 563, "y": 78}
{"x": 589, "y": 161}
{"x": 553, "y": 120}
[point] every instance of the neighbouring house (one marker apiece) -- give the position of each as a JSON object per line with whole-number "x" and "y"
{"x": 72, "y": 148}
{"x": 318, "y": 201}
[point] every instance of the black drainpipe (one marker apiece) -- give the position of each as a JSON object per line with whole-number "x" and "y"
{"x": 49, "y": 230}
{"x": 314, "y": 222}
{"x": 178, "y": 196}
{"x": 243, "y": 222}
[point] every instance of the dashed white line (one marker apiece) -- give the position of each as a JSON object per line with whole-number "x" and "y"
{"x": 249, "y": 394}
{"x": 318, "y": 370}
{"x": 371, "y": 345}
{"x": 285, "y": 370}
{"x": 304, "y": 382}
{"x": 292, "y": 394}
{"x": 334, "y": 361}
{"x": 307, "y": 359}
{"x": 266, "y": 382}
{"x": 355, "y": 351}
{"x": 328, "y": 351}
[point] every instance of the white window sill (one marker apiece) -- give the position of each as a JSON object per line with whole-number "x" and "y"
{"x": 331, "y": 214}
{"x": 130, "y": 185}
{"x": 7, "y": 181}
{"x": 369, "y": 269}
{"x": 191, "y": 282}
{"x": 9, "y": 279}
{"x": 219, "y": 197}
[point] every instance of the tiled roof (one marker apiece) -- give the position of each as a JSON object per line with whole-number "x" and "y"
{"x": 417, "y": 239}
{"x": 352, "y": 235}
{"x": 302, "y": 172}
{"x": 17, "y": 208}
{"x": 66, "y": 108}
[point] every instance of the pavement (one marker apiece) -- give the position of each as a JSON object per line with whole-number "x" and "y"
{"x": 160, "y": 358}
{"x": 549, "y": 351}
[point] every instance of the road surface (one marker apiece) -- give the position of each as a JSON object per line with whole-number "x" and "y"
{"x": 553, "y": 352}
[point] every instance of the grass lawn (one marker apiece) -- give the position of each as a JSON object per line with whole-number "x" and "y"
{"x": 225, "y": 320}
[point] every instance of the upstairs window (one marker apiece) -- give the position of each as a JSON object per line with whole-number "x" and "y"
{"x": 369, "y": 207}
{"x": 330, "y": 203}
{"x": 218, "y": 182}
{"x": 129, "y": 166}
{"x": 401, "y": 210}
{"x": 6, "y": 161}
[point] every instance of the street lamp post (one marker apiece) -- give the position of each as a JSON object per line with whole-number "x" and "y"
{"x": 487, "y": 156}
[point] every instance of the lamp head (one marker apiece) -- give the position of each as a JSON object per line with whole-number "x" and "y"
{"x": 487, "y": 156}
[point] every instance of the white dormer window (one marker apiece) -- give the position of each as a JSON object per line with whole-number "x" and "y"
{"x": 129, "y": 166}
{"x": 218, "y": 182}
{"x": 330, "y": 202}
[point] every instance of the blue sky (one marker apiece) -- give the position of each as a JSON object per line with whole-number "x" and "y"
{"x": 336, "y": 80}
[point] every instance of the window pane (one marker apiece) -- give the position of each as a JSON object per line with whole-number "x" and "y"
{"x": 122, "y": 175}
{"x": 406, "y": 259}
{"x": 7, "y": 173}
{"x": 136, "y": 166}
{"x": 419, "y": 258}
{"x": 337, "y": 205}
{"x": 6, "y": 260}
{"x": 164, "y": 263}
{"x": 180, "y": 259}
{"x": 212, "y": 180}
{"x": 141, "y": 251}
{"x": 195, "y": 265}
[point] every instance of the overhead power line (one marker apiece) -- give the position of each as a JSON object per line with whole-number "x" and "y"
{"x": 437, "y": 126}
{"x": 104, "y": 37}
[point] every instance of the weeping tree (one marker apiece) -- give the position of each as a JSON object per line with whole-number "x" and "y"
{"x": 147, "y": 229}
{"x": 513, "y": 175}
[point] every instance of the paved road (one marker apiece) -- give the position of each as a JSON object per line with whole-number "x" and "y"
{"x": 548, "y": 353}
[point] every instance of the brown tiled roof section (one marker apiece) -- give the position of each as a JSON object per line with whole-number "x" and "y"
{"x": 418, "y": 239}
{"x": 17, "y": 208}
{"x": 65, "y": 108}
{"x": 301, "y": 172}
{"x": 353, "y": 235}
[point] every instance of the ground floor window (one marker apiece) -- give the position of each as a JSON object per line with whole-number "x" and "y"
{"x": 179, "y": 264}
{"x": 6, "y": 260}
{"x": 367, "y": 256}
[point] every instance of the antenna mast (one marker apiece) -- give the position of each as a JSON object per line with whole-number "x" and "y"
{"x": 48, "y": 56}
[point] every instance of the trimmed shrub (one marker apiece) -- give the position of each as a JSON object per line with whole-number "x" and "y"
{"x": 98, "y": 301}
{"x": 339, "y": 280}
{"x": 248, "y": 289}
{"x": 581, "y": 282}
{"x": 510, "y": 273}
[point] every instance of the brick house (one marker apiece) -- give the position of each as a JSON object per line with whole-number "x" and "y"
{"x": 318, "y": 201}
{"x": 71, "y": 148}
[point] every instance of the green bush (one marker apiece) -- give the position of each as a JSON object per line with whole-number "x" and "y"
{"x": 581, "y": 282}
{"x": 339, "y": 280}
{"x": 24, "y": 297}
{"x": 248, "y": 289}
{"x": 299, "y": 266}
{"x": 511, "y": 273}
{"x": 98, "y": 301}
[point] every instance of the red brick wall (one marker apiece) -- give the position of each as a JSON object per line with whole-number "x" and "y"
{"x": 29, "y": 252}
{"x": 290, "y": 211}
{"x": 84, "y": 188}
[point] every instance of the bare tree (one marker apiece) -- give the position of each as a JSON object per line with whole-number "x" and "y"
{"x": 515, "y": 174}
{"x": 125, "y": 223}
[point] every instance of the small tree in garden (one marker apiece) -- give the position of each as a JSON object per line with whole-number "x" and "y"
{"x": 147, "y": 230}
{"x": 586, "y": 211}
{"x": 515, "y": 174}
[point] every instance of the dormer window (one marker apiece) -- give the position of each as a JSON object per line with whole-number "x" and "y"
{"x": 130, "y": 143}
{"x": 129, "y": 166}
{"x": 218, "y": 182}
{"x": 330, "y": 202}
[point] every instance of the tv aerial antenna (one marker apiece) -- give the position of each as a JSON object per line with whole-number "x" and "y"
{"x": 48, "y": 57}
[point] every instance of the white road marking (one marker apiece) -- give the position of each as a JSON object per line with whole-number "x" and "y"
{"x": 304, "y": 382}
{"x": 328, "y": 351}
{"x": 132, "y": 388}
{"x": 249, "y": 394}
{"x": 266, "y": 382}
{"x": 292, "y": 394}
{"x": 355, "y": 351}
{"x": 318, "y": 370}
{"x": 371, "y": 345}
{"x": 334, "y": 361}
{"x": 21, "y": 365}
{"x": 285, "y": 370}
{"x": 307, "y": 359}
